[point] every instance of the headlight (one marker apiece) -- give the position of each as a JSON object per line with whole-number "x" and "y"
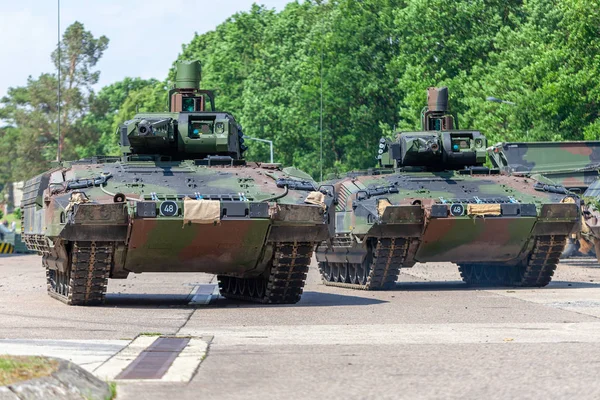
{"x": 219, "y": 127}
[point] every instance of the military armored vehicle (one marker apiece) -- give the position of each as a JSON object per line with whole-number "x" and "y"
{"x": 432, "y": 200}
{"x": 180, "y": 199}
{"x": 574, "y": 165}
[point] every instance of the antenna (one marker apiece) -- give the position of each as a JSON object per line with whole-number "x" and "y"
{"x": 321, "y": 116}
{"x": 58, "y": 150}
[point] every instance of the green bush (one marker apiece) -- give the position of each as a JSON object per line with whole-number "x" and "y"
{"x": 17, "y": 213}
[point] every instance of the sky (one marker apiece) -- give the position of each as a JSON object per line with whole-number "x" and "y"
{"x": 145, "y": 35}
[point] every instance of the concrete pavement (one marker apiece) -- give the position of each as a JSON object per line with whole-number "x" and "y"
{"x": 431, "y": 337}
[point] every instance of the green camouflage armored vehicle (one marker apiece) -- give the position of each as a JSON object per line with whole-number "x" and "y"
{"x": 180, "y": 199}
{"x": 574, "y": 165}
{"x": 432, "y": 200}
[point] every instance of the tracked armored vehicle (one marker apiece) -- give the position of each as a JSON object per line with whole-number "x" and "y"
{"x": 573, "y": 164}
{"x": 433, "y": 200}
{"x": 180, "y": 199}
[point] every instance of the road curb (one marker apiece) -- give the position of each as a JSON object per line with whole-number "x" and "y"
{"x": 69, "y": 381}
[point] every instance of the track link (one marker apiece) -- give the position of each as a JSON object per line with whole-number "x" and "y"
{"x": 84, "y": 283}
{"x": 537, "y": 271}
{"x": 283, "y": 284}
{"x": 379, "y": 270}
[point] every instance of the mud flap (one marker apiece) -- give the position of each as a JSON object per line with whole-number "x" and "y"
{"x": 556, "y": 219}
{"x": 101, "y": 222}
{"x": 293, "y": 222}
{"x": 399, "y": 221}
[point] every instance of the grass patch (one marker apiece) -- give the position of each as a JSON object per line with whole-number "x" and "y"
{"x": 150, "y": 334}
{"x": 23, "y": 368}
{"x": 113, "y": 390}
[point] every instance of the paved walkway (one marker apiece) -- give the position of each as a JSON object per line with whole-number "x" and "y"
{"x": 430, "y": 338}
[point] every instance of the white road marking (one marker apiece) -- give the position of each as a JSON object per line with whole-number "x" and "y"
{"x": 584, "y": 332}
{"x": 122, "y": 359}
{"x": 181, "y": 370}
{"x": 188, "y": 361}
{"x": 204, "y": 294}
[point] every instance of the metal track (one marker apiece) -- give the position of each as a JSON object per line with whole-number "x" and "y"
{"x": 85, "y": 281}
{"x": 382, "y": 268}
{"x": 537, "y": 271}
{"x": 543, "y": 260}
{"x": 283, "y": 285}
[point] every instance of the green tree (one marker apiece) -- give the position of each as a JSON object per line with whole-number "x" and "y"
{"x": 32, "y": 110}
{"x": 107, "y": 112}
{"x": 9, "y": 140}
{"x": 371, "y": 60}
{"x": 281, "y": 97}
{"x": 151, "y": 98}
{"x": 79, "y": 54}
{"x": 441, "y": 43}
{"x": 548, "y": 65}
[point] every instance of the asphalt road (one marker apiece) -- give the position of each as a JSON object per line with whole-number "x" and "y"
{"x": 430, "y": 338}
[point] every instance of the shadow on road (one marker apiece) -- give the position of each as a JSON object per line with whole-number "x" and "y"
{"x": 309, "y": 299}
{"x": 572, "y": 285}
{"x": 145, "y": 300}
{"x": 461, "y": 286}
{"x": 318, "y": 299}
{"x": 581, "y": 262}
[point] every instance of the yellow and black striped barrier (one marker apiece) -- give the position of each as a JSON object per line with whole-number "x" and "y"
{"x": 6, "y": 248}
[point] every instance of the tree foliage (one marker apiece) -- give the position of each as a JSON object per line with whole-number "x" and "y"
{"x": 79, "y": 54}
{"x": 116, "y": 103}
{"x": 367, "y": 63}
{"x": 375, "y": 58}
{"x": 31, "y": 111}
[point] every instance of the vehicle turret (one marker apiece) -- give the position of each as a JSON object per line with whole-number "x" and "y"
{"x": 438, "y": 146}
{"x": 188, "y": 130}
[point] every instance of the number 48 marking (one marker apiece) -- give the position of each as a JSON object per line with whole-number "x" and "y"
{"x": 169, "y": 208}
{"x": 457, "y": 209}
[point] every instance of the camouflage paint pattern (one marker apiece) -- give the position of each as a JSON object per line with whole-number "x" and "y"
{"x": 164, "y": 243}
{"x": 571, "y": 164}
{"x": 445, "y": 237}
